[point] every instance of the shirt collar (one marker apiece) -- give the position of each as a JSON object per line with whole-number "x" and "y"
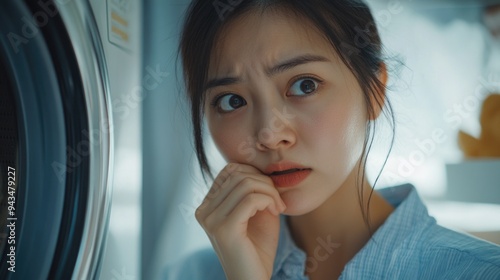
{"x": 290, "y": 259}
{"x": 409, "y": 217}
{"x": 409, "y": 214}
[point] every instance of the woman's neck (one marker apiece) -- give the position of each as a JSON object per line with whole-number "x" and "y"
{"x": 332, "y": 234}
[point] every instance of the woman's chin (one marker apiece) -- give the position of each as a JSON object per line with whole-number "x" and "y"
{"x": 297, "y": 207}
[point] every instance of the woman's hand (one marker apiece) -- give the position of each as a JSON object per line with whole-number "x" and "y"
{"x": 240, "y": 215}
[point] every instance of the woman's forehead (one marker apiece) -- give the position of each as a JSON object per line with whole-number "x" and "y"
{"x": 265, "y": 37}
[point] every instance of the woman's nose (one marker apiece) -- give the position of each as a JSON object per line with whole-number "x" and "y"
{"x": 275, "y": 129}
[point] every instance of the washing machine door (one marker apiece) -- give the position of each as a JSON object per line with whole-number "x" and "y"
{"x": 55, "y": 141}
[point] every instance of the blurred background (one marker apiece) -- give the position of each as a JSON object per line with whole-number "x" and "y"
{"x": 93, "y": 92}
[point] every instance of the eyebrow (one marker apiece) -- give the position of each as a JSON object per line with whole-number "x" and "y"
{"x": 280, "y": 68}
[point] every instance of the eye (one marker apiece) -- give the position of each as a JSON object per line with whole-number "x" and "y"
{"x": 228, "y": 102}
{"x": 304, "y": 86}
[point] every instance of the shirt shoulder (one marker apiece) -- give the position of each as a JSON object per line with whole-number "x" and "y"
{"x": 411, "y": 245}
{"x": 202, "y": 264}
{"x": 455, "y": 255}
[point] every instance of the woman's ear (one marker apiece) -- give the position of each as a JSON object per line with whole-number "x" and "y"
{"x": 378, "y": 99}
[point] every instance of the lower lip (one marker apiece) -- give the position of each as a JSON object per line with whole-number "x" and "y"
{"x": 290, "y": 179}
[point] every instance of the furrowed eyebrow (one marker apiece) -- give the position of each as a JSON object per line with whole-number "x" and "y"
{"x": 296, "y": 61}
{"x": 280, "y": 68}
{"x": 221, "y": 82}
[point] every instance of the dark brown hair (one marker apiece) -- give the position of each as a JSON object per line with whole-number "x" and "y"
{"x": 347, "y": 24}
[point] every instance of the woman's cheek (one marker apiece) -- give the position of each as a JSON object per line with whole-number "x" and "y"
{"x": 232, "y": 145}
{"x": 334, "y": 132}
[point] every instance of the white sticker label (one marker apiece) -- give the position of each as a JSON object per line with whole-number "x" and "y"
{"x": 119, "y": 20}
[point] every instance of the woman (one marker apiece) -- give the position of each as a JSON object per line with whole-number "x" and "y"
{"x": 291, "y": 91}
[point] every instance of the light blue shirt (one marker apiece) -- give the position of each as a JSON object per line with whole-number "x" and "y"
{"x": 409, "y": 245}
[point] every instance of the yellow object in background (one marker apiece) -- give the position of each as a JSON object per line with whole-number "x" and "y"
{"x": 488, "y": 144}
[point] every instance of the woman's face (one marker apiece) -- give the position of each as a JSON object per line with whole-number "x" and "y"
{"x": 279, "y": 92}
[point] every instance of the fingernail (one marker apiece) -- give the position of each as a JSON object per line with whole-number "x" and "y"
{"x": 232, "y": 166}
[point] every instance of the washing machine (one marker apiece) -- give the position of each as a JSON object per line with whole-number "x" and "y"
{"x": 70, "y": 169}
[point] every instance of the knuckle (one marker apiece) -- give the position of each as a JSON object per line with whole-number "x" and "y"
{"x": 230, "y": 168}
{"x": 223, "y": 176}
{"x": 251, "y": 199}
{"x": 268, "y": 180}
{"x": 212, "y": 193}
{"x": 214, "y": 190}
{"x": 247, "y": 182}
{"x": 198, "y": 214}
{"x": 219, "y": 181}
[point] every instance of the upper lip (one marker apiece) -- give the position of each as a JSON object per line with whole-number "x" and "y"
{"x": 282, "y": 166}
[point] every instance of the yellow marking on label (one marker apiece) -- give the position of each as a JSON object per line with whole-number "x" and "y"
{"x": 116, "y": 17}
{"x": 120, "y": 33}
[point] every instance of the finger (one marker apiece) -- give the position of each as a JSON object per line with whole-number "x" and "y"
{"x": 246, "y": 186}
{"x": 248, "y": 207}
{"x": 226, "y": 172}
{"x": 259, "y": 175}
{"x": 217, "y": 184}
{"x": 217, "y": 222}
{"x": 238, "y": 185}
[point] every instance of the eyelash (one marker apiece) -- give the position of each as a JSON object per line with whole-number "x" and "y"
{"x": 215, "y": 100}
{"x": 294, "y": 80}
